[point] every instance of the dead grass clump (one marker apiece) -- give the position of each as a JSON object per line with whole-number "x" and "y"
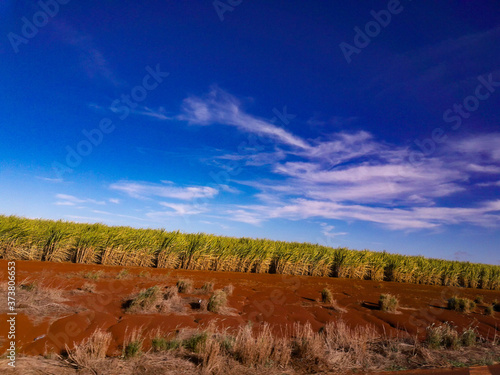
{"x": 479, "y": 299}
{"x": 91, "y": 352}
{"x": 336, "y": 307}
{"x": 326, "y": 296}
{"x": 207, "y": 288}
{"x": 38, "y": 299}
{"x": 308, "y": 345}
{"x": 261, "y": 348}
{"x": 146, "y": 301}
{"x": 388, "y": 302}
{"x": 122, "y": 274}
{"x": 171, "y": 292}
{"x": 185, "y": 286}
{"x": 93, "y": 275}
{"x": 217, "y": 301}
{"x": 88, "y": 287}
{"x": 228, "y": 289}
{"x": 464, "y": 305}
{"x": 489, "y": 310}
{"x": 346, "y": 347}
{"x": 442, "y": 336}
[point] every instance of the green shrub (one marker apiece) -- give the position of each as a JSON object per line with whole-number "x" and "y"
{"x": 469, "y": 337}
{"x": 133, "y": 349}
{"x": 326, "y": 296}
{"x": 388, "y": 302}
{"x": 489, "y": 310}
{"x": 442, "y": 336}
{"x": 196, "y": 342}
{"x": 217, "y": 301}
{"x": 161, "y": 344}
{"x": 461, "y": 304}
{"x": 145, "y": 300}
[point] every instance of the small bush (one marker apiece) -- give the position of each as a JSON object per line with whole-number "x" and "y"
{"x": 196, "y": 342}
{"x": 93, "y": 275}
{"x": 132, "y": 345}
{"x": 161, "y": 344}
{"x": 185, "y": 286}
{"x": 496, "y": 305}
{"x": 461, "y": 304}
{"x": 217, "y": 301}
{"x": 132, "y": 349}
{"x": 90, "y": 351}
{"x": 207, "y": 288}
{"x": 144, "y": 274}
{"x": 326, "y": 296}
{"x": 228, "y": 289}
{"x": 469, "y": 337}
{"x": 29, "y": 287}
{"x": 88, "y": 287}
{"x": 489, "y": 310}
{"x": 145, "y": 300}
{"x": 442, "y": 336}
{"x": 171, "y": 292}
{"x": 122, "y": 274}
{"x": 479, "y": 299}
{"x": 388, "y": 302}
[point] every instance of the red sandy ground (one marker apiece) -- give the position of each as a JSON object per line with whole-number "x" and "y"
{"x": 277, "y": 299}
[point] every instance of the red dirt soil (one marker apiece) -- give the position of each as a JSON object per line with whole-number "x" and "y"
{"x": 280, "y": 300}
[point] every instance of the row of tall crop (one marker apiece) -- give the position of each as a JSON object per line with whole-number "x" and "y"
{"x": 97, "y": 243}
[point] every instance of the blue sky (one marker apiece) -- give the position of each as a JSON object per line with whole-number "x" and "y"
{"x": 372, "y": 125}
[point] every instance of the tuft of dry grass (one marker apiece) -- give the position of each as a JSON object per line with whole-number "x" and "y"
{"x": 132, "y": 344}
{"x": 207, "y": 288}
{"x": 145, "y": 301}
{"x": 464, "y": 305}
{"x": 91, "y": 352}
{"x": 93, "y": 275}
{"x": 122, "y": 274}
{"x": 388, "y": 302}
{"x": 217, "y": 301}
{"x": 326, "y": 296}
{"x": 185, "y": 286}
{"x": 38, "y": 299}
{"x": 489, "y": 310}
{"x": 88, "y": 287}
{"x": 228, "y": 289}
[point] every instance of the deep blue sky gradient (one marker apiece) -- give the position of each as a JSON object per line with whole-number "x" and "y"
{"x": 206, "y": 150}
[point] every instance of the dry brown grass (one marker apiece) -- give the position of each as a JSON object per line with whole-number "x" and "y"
{"x": 38, "y": 299}
{"x": 88, "y": 287}
{"x": 336, "y": 349}
{"x": 90, "y": 354}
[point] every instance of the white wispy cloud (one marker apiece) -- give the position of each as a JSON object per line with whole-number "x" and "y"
{"x": 176, "y": 209}
{"x": 166, "y": 190}
{"x": 70, "y": 200}
{"x": 220, "y": 107}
